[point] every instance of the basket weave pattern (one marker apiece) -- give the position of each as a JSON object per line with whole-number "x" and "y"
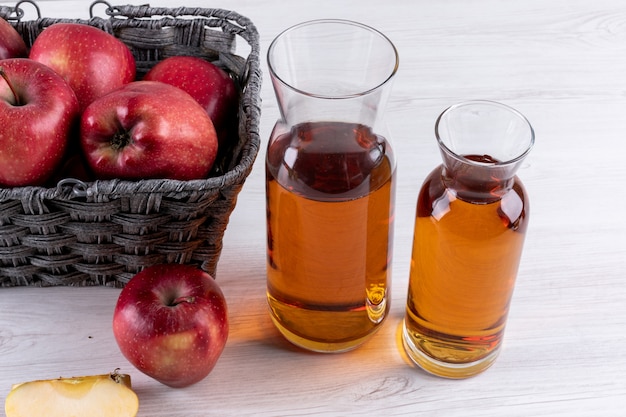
{"x": 103, "y": 232}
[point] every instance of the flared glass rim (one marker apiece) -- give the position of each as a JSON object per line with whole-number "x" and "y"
{"x": 275, "y": 75}
{"x": 506, "y": 107}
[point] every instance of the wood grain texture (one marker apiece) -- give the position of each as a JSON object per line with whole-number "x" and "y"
{"x": 563, "y": 64}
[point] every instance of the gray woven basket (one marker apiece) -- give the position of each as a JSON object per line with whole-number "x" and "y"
{"x": 104, "y": 232}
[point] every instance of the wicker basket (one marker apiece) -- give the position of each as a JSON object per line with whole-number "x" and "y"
{"x": 103, "y": 232}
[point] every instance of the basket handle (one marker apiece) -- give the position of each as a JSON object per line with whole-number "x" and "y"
{"x": 109, "y": 9}
{"x": 19, "y": 12}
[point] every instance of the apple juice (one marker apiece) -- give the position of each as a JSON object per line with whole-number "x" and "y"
{"x": 466, "y": 253}
{"x": 330, "y": 199}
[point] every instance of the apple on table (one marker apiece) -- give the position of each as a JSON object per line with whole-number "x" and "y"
{"x": 92, "y": 61}
{"x": 38, "y": 110}
{"x": 171, "y": 323}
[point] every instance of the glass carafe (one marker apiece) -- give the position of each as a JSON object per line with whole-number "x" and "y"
{"x": 330, "y": 184}
{"x": 471, "y": 219}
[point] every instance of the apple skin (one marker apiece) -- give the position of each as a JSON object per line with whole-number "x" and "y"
{"x": 148, "y": 129}
{"x": 210, "y": 85}
{"x": 34, "y": 132}
{"x": 92, "y": 61}
{"x": 11, "y": 43}
{"x": 171, "y": 323}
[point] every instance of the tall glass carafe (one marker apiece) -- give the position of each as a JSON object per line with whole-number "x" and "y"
{"x": 330, "y": 184}
{"x": 471, "y": 219}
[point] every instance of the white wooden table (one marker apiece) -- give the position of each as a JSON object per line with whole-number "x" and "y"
{"x": 563, "y": 64}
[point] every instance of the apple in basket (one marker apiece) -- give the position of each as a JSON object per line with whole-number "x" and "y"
{"x": 11, "y": 43}
{"x": 92, "y": 61}
{"x": 210, "y": 85}
{"x": 148, "y": 129}
{"x": 171, "y": 323}
{"x": 38, "y": 110}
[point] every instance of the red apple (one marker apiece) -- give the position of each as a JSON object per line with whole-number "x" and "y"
{"x": 93, "y": 61}
{"x": 38, "y": 110}
{"x": 171, "y": 323}
{"x": 148, "y": 129}
{"x": 11, "y": 43}
{"x": 210, "y": 85}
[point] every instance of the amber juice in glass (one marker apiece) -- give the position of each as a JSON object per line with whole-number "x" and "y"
{"x": 329, "y": 234}
{"x": 329, "y": 185}
{"x": 470, "y": 224}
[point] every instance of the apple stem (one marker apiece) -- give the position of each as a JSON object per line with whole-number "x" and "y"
{"x": 4, "y": 75}
{"x": 115, "y": 375}
{"x": 184, "y": 299}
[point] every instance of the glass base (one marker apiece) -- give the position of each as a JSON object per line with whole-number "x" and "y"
{"x": 441, "y": 368}
{"x": 320, "y": 347}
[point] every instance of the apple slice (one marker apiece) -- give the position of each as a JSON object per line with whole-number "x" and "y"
{"x": 107, "y": 395}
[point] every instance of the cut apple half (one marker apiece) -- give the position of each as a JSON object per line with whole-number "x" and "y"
{"x": 107, "y": 395}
